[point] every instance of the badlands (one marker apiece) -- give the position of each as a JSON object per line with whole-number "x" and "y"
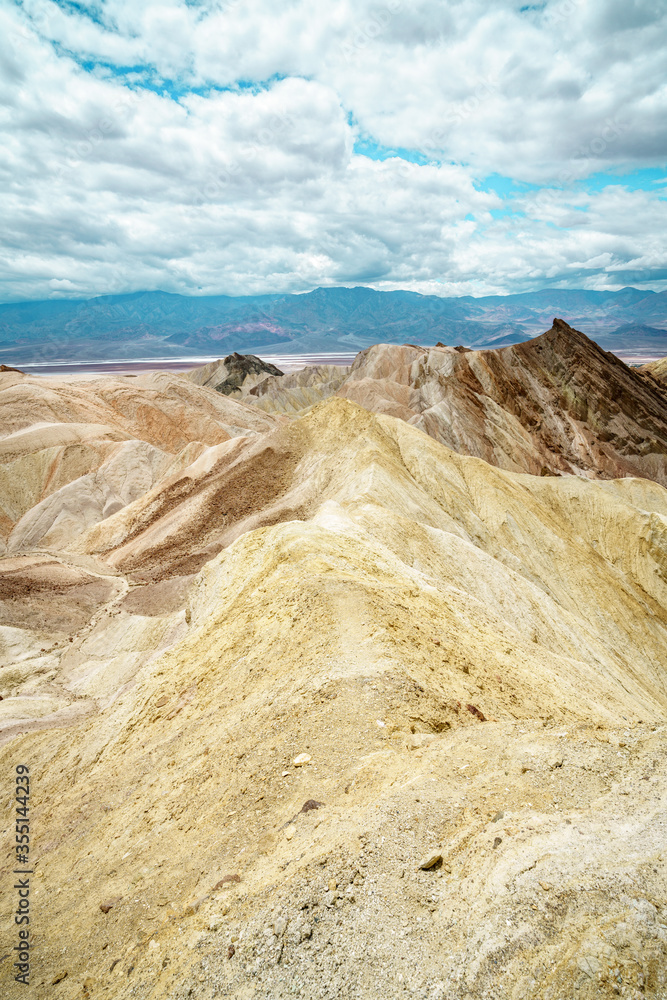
{"x": 344, "y": 683}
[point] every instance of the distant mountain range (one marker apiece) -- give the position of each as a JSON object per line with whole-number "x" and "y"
{"x": 163, "y": 325}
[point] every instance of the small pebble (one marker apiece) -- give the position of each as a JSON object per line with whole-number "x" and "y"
{"x": 429, "y": 861}
{"x": 311, "y": 804}
{"x": 105, "y": 907}
{"x": 227, "y": 880}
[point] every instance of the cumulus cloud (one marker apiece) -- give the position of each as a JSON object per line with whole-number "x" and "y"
{"x": 240, "y": 146}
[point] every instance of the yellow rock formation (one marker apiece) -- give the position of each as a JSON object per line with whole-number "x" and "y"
{"x": 468, "y": 663}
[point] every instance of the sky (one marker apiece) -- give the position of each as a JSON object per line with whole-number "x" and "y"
{"x": 451, "y": 147}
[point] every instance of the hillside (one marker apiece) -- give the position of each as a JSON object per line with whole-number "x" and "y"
{"x": 332, "y": 710}
{"x": 658, "y": 369}
{"x": 73, "y": 451}
{"x": 553, "y": 405}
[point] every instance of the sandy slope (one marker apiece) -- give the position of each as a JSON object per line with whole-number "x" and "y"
{"x": 345, "y": 587}
{"x": 72, "y": 451}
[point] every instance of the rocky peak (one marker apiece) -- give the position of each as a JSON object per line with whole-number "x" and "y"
{"x": 238, "y": 367}
{"x": 562, "y": 331}
{"x": 231, "y": 373}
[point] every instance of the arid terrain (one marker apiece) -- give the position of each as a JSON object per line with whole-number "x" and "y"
{"x": 350, "y": 682}
{"x": 556, "y": 404}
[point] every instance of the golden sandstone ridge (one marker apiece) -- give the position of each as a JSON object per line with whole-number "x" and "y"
{"x": 315, "y": 705}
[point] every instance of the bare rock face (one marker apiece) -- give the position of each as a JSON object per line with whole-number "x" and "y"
{"x": 294, "y": 393}
{"x": 233, "y": 375}
{"x": 230, "y": 489}
{"x": 324, "y": 706}
{"x": 656, "y": 370}
{"x": 557, "y": 404}
{"x": 72, "y": 452}
{"x": 163, "y": 408}
{"x": 263, "y": 385}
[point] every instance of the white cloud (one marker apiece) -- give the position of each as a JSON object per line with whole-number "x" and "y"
{"x": 111, "y": 186}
